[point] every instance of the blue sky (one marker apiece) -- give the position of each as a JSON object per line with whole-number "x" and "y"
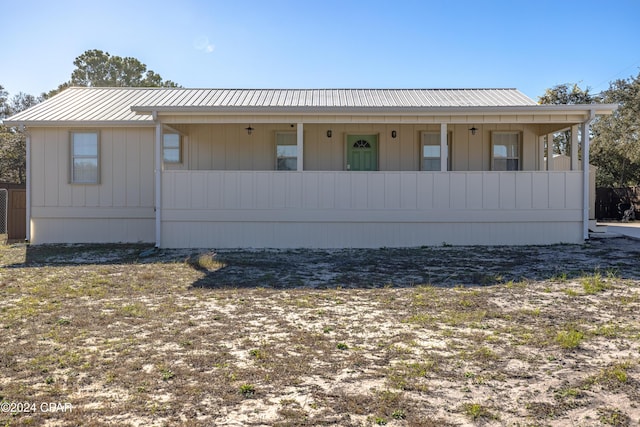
{"x": 527, "y": 44}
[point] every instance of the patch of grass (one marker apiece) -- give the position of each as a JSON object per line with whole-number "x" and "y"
{"x": 485, "y": 354}
{"x": 342, "y": 346}
{"x": 167, "y": 374}
{"x": 476, "y": 411}
{"x": 398, "y": 414}
{"x": 421, "y": 319}
{"x": 134, "y": 310}
{"x": 613, "y": 417}
{"x": 247, "y": 390}
{"x": 617, "y": 372}
{"x": 569, "y": 338}
{"x": 569, "y": 392}
{"x": 607, "y": 331}
{"x": 258, "y": 354}
{"x": 409, "y": 375}
{"x": 594, "y": 284}
{"x": 570, "y": 292}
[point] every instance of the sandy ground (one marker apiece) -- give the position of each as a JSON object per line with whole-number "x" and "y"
{"x": 537, "y": 335}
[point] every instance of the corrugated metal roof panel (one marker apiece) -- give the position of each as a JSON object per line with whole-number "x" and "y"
{"x": 114, "y": 104}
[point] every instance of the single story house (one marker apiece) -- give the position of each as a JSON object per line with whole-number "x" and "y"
{"x": 317, "y": 168}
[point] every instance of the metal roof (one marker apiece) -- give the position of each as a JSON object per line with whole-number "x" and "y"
{"x": 80, "y": 104}
{"x": 112, "y": 106}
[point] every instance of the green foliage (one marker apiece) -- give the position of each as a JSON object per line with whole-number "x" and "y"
{"x": 476, "y": 411}
{"x": 13, "y": 157}
{"x": 616, "y": 142}
{"x": 13, "y": 142}
{"x": 615, "y": 147}
{"x": 570, "y": 338}
{"x": 594, "y": 284}
{"x": 247, "y": 390}
{"x": 95, "y": 68}
{"x": 565, "y": 94}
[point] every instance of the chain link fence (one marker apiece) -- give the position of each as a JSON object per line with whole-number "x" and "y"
{"x": 4, "y": 210}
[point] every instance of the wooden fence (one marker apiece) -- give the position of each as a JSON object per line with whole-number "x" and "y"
{"x": 15, "y": 215}
{"x": 612, "y": 202}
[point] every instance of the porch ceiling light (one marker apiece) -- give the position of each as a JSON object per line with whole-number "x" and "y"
{"x": 329, "y": 133}
{"x": 249, "y": 130}
{"x": 394, "y": 134}
{"x": 473, "y": 130}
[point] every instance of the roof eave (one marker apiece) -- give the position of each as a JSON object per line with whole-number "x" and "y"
{"x": 79, "y": 123}
{"x": 598, "y": 109}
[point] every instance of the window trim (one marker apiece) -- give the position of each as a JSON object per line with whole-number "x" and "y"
{"x": 72, "y": 157}
{"x": 519, "y": 146}
{"x": 180, "y": 148}
{"x": 294, "y": 144}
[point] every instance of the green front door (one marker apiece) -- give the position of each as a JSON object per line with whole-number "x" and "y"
{"x": 362, "y": 152}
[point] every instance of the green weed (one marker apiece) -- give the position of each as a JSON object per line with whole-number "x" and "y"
{"x": 570, "y": 338}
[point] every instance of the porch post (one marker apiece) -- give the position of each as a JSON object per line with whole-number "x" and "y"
{"x": 158, "y": 182}
{"x": 27, "y": 194}
{"x": 585, "y": 181}
{"x": 444, "y": 154}
{"x": 550, "y": 152}
{"x": 574, "y": 148}
{"x": 541, "y": 165}
{"x": 300, "y": 144}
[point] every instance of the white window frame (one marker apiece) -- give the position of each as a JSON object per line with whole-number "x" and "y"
{"x": 508, "y": 157}
{"x": 435, "y": 135}
{"x": 76, "y": 156}
{"x": 286, "y": 139}
{"x": 165, "y": 148}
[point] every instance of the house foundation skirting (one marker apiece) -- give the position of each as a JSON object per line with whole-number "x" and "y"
{"x": 364, "y": 235}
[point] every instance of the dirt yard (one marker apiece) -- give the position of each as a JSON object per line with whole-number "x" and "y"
{"x": 125, "y": 335}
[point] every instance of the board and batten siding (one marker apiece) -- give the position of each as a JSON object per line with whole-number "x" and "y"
{"x": 332, "y": 209}
{"x": 229, "y": 147}
{"x": 118, "y": 209}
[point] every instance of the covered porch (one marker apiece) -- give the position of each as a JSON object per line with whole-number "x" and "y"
{"x": 433, "y": 180}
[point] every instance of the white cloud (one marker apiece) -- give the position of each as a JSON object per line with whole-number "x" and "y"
{"x": 203, "y": 44}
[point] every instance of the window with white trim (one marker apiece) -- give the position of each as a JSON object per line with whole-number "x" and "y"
{"x": 505, "y": 151}
{"x": 85, "y": 158}
{"x": 172, "y": 148}
{"x": 430, "y": 151}
{"x": 286, "y": 151}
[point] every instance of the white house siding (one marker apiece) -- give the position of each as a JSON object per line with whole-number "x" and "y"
{"x": 119, "y": 209}
{"x": 228, "y": 209}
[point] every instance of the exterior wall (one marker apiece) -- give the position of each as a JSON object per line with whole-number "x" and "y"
{"x": 229, "y": 147}
{"x": 369, "y": 209}
{"x": 563, "y": 163}
{"x": 119, "y": 209}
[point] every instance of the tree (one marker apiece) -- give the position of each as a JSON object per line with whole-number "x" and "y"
{"x": 4, "y": 107}
{"x": 565, "y": 94}
{"x": 616, "y": 140}
{"x": 95, "y": 68}
{"x": 13, "y": 141}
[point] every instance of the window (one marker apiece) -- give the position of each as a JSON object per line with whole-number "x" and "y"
{"x": 286, "y": 151}
{"x": 505, "y": 147}
{"x": 431, "y": 151}
{"x": 172, "y": 148}
{"x": 85, "y": 158}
